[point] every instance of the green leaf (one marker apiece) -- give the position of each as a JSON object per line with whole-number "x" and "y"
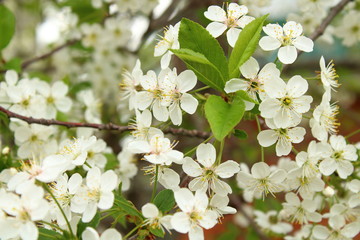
{"x": 46, "y": 234}
{"x": 245, "y": 96}
{"x": 13, "y": 64}
{"x": 245, "y": 45}
{"x": 127, "y": 206}
{"x": 223, "y": 116}
{"x": 7, "y": 26}
{"x": 240, "y": 134}
{"x": 205, "y": 71}
{"x": 165, "y": 200}
{"x": 93, "y": 223}
{"x": 157, "y": 232}
{"x": 196, "y": 38}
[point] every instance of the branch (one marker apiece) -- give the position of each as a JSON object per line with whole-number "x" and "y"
{"x": 239, "y": 206}
{"x": 107, "y": 126}
{"x": 326, "y": 22}
{"x": 28, "y": 62}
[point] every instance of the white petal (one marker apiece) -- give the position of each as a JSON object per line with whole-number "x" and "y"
{"x": 149, "y": 210}
{"x": 110, "y": 234}
{"x": 186, "y": 81}
{"x": 327, "y": 166}
{"x": 215, "y": 13}
{"x": 90, "y": 234}
{"x": 260, "y": 170}
{"x": 293, "y": 29}
{"x": 216, "y": 29}
{"x": 188, "y": 103}
{"x": 196, "y": 233}
{"x": 269, "y": 43}
{"x": 304, "y": 44}
{"x": 208, "y": 220}
{"x": 109, "y": 181}
{"x": 191, "y": 167}
{"x": 181, "y": 222}
{"x": 267, "y": 138}
{"x": 227, "y": 169}
{"x": 250, "y": 68}
{"x": 297, "y": 86}
{"x": 273, "y": 30}
{"x": 235, "y": 84}
{"x": 232, "y": 36}
{"x": 206, "y": 154}
{"x": 184, "y": 199}
{"x": 287, "y": 54}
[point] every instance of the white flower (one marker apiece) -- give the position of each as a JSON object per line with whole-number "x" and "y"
{"x": 152, "y": 96}
{"x": 235, "y": 19}
{"x": 254, "y": 83}
{"x": 108, "y": 234}
{"x": 142, "y": 127}
{"x": 96, "y": 193}
{"x": 181, "y": 100}
{"x": 328, "y": 74}
{"x": 324, "y": 120}
{"x": 300, "y": 212}
{"x": 92, "y": 112}
{"x": 283, "y": 136}
{"x": 288, "y": 39}
{"x": 354, "y": 187}
{"x": 23, "y": 212}
{"x": 154, "y": 217}
{"x": 286, "y": 102}
{"x": 220, "y": 204}
{"x": 168, "y": 41}
{"x": 349, "y": 29}
{"x": 207, "y": 176}
{"x": 45, "y": 170}
{"x": 261, "y": 181}
{"x": 271, "y": 221}
{"x": 342, "y": 155}
{"x": 158, "y": 151}
{"x": 55, "y": 97}
{"x": 339, "y": 230}
{"x": 35, "y": 140}
{"x": 130, "y": 83}
{"x": 92, "y": 34}
{"x": 308, "y": 161}
{"x": 306, "y": 186}
{"x": 194, "y": 214}
{"x": 63, "y": 189}
{"x": 76, "y": 151}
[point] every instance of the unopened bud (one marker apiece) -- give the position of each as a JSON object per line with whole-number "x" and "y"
{"x": 329, "y": 191}
{"x": 5, "y": 150}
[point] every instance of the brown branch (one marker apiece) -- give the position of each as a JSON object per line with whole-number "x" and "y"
{"x": 28, "y": 62}
{"x": 107, "y": 126}
{"x": 235, "y": 200}
{"x": 326, "y": 22}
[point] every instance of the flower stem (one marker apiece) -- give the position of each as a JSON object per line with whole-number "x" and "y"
{"x": 191, "y": 151}
{"x": 60, "y": 208}
{"x": 155, "y": 183}
{"x": 352, "y": 134}
{"x": 132, "y": 231}
{"x": 199, "y": 89}
{"x": 52, "y": 225}
{"x": 220, "y": 153}
{"x": 261, "y": 147}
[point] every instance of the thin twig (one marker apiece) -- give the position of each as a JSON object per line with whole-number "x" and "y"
{"x": 68, "y": 43}
{"x": 334, "y": 11}
{"x": 107, "y": 126}
{"x": 235, "y": 200}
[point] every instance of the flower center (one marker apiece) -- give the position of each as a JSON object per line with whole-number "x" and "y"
{"x": 286, "y": 101}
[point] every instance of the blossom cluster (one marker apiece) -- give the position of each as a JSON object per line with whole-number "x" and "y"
{"x": 63, "y": 183}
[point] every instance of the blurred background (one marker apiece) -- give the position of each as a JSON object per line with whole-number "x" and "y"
{"x": 96, "y": 41}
